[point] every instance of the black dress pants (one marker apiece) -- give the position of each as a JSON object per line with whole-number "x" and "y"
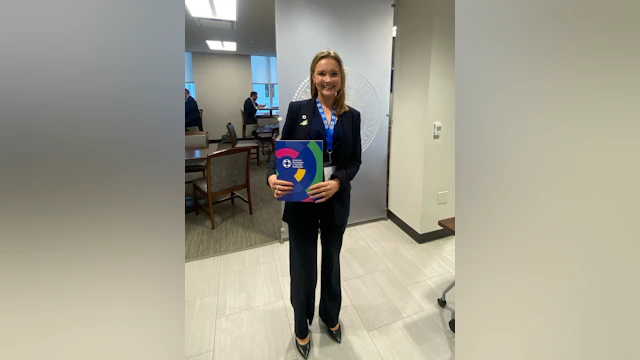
{"x": 303, "y": 248}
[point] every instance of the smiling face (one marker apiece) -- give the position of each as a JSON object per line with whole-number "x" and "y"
{"x": 327, "y": 77}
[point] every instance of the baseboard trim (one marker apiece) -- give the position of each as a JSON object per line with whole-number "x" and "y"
{"x": 214, "y": 141}
{"x": 363, "y": 222}
{"x": 417, "y": 237}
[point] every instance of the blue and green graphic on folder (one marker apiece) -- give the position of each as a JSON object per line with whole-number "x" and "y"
{"x": 299, "y": 162}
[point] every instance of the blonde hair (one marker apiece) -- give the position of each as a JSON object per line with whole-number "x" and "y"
{"x": 340, "y": 102}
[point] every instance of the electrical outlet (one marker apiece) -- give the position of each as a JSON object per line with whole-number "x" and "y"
{"x": 443, "y": 197}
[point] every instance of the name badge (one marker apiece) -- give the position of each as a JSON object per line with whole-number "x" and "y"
{"x": 328, "y": 171}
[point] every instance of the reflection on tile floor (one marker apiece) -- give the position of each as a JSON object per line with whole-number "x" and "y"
{"x": 237, "y": 306}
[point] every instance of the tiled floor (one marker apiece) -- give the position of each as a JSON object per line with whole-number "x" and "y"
{"x": 237, "y": 306}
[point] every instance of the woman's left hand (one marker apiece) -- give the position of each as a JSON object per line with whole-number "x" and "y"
{"x": 321, "y": 192}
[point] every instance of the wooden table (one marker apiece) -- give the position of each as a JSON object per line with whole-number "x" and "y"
{"x": 267, "y": 129}
{"x": 448, "y": 224}
{"x": 197, "y": 153}
{"x": 196, "y": 140}
{"x": 270, "y": 111}
{"x": 264, "y": 134}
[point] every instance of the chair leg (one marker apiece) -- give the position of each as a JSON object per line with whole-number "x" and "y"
{"x": 213, "y": 225}
{"x": 249, "y": 198}
{"x": 244, "y": 130}
{"x": 258, "y": 156}
{"x": 233, "y": 198}
{"x": 196, "y": 204}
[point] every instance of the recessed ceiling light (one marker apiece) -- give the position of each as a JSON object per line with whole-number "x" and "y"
{"x": 213, "y": 9}
{"x": 221, "y": 45}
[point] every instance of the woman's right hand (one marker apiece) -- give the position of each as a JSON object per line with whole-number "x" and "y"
{"x": 279, "y": 188}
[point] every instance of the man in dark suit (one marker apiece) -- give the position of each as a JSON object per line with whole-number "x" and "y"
{"x": 191, "y": 112}
{"x": 250, "y": 108}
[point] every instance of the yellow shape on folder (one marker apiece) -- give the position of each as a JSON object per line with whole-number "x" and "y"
{"x": 300, "y": 174}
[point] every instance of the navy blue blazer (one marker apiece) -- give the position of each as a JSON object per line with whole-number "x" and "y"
{"x": 250, "y": 112}
{"x": 346, "y": 156}
{"x": 191, "y": 112}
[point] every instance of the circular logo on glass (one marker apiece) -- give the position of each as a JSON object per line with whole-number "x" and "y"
{"x": 362, "y": 97}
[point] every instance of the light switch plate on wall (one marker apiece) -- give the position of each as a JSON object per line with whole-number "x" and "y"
{"x": 443, "y": 197}
{"x": 437, "y": 128}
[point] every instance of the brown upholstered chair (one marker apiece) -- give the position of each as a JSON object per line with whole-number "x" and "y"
{"x": 227, "y": 171}
{"x": 274, "y": 136}
{"x": 253, "y": 145}
{"x": 244, "y": 124}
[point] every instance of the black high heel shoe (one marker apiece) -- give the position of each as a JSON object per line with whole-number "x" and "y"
{"x": 336, "y": 334}
{"x": 303, "y": 349}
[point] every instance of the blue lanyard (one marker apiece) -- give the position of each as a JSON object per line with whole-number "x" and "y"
{"x": 328, "y": 127}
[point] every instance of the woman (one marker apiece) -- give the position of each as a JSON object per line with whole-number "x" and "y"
{"x": 324, "y": 117}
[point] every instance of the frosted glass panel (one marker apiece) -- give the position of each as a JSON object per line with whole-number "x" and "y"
{"x": 274, "y": 69}
{"x": 365, "y": 48}
{"x": 260, "y": 71}
{"x": 262, "y": 95}
{"x": 264, "y": 69}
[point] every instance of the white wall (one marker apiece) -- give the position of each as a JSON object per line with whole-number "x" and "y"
{"x": 424, "y": 93}
{"x": 223, "y": 82}
{"x": 548, "y": 179}
{"x": 439, "y": 154}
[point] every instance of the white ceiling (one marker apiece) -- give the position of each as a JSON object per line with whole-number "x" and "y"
{"x": 255, "y": 31}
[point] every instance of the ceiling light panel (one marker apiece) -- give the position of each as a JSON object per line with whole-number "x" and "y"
{"x": 221, "y": 45}
{"x": 213, "y": 9}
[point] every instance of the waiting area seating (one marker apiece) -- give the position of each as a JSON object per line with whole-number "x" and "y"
{"x": 227, "y": 171}
{"x": 252, "y": 145}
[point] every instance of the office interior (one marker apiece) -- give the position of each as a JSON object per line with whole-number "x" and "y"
{"x": 398, "y": 254}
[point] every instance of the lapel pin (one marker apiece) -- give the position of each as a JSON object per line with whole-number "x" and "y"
{"x": 304, "y": 117}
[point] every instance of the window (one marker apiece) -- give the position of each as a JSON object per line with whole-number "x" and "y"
{"x": 188, "y": 75}
{"x": 264, "y": 75}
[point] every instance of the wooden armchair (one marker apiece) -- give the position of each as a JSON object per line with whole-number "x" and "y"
{"x": 252, "y": 145}
{"x": 245, "y": 123}
{"x": 227, "y": 171}
{"x": 274, "y": 137}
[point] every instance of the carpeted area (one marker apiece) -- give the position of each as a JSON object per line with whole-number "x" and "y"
{"x": 235, "y": 229}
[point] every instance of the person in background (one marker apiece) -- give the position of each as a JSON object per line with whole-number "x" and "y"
{"x": 338, "y": 126}
{"x": 251, "y": 108}
{"x": 191, "y": 112}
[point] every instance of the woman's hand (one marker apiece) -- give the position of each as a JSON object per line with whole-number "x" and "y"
{"x": 323, "y": 191}
{"x": 278, "y": 187}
